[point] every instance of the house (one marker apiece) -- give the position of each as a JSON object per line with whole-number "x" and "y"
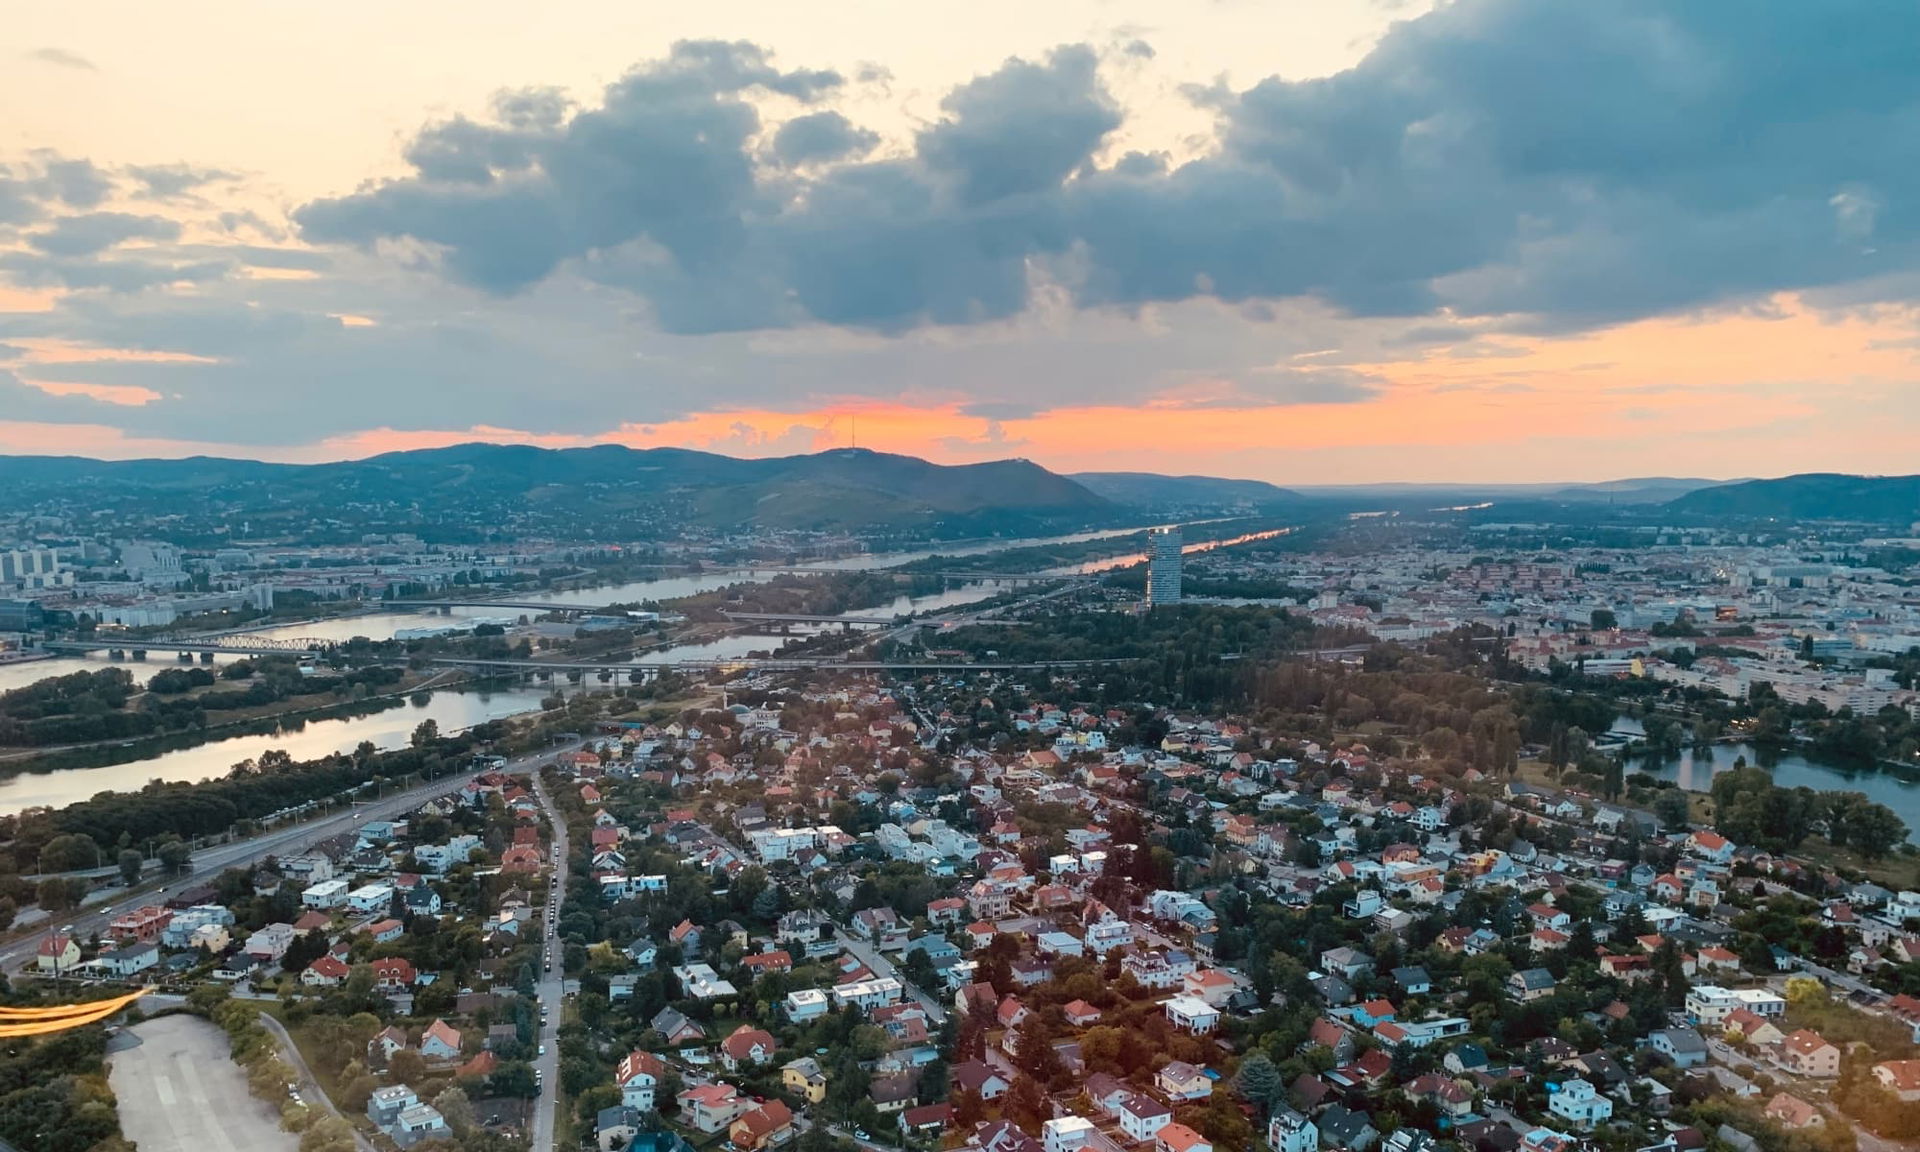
{"x": 637, "y": 1076}
{"x": 1080, "y": 1014}
{"x": 1141, "y": 1116}
{"x": 1348, "y": 963}
{"x": 393, "y": 972}
{"x": 805, "y": 1004}
{"x": 926, "y": 1120}
{"x": 1289, "y": 1131}
{"x": 1413, "y": 980}
{"x": 441, "y": 1041}
{"x": 804, "y": 1078}
{"x": 385, "y": 1105}
{"x": 142, "y": 925}
{"x": 387, "y": 1041}
{"x": 1445, "y": 1094}
{"x": 1341, "y": 1127}
{"x": 1683, "y": 1047}
{"x": 1752, "y": 1027}
{"x": 763, "y": 1127}
{"x": 746, "y": 1045}
{"x": 1530, "y": 984}
{"x": 616, "y": 1127}
{"x": 58, "y": 952}
{"x": 1900, "y": 1077}
{"x": 418, "y": 1123}
{"x": 128, "y": 960}
{"x": 677, "y": 1029}
{"x": 1580, "y": 1105}
{"x": 980, "y": 1078}
{"x": 896, "y": 1093}
{"x": 1793, "y": 1113}
{"x": 1807, "y": 1053}
{"x": 1192, "y": 1013}
{"x": 326, "y": 972}
{"x": 1066, "y": 1134}
{"x": 1179, "y": 1081}
{"x": 712, "y": 1107}
{"x": 1177, "y": 1137}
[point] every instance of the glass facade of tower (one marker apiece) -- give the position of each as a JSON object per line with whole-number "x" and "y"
{"x": 1163, "y": 566}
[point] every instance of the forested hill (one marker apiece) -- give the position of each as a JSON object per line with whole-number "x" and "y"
{"x": 573, "y": 490}
{"x": 1810, "y": 496}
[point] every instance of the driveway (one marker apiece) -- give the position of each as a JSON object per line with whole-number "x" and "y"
{"x": 180, "y": 1091}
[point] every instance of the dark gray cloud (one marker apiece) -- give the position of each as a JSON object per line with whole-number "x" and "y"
{"x": 81, "y": 273}
{"x": 1023, "y": 129}
{"x": 95, "y": 232}
{"x": 75, "y": 183}
{"x": 174, "y": 181}
{"x": 1571, "y": 164}
{"x": 822, "y": 136}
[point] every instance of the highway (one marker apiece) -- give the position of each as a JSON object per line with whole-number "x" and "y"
{"x": 550, "y": 988}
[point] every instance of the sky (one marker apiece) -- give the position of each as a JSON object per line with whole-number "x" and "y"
{"x": 1303, "y": 241}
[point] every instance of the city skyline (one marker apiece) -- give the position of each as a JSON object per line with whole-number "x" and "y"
{"x": 1343, "y": 243}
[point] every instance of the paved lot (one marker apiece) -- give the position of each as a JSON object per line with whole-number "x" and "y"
{"x": 179, "y": 1091}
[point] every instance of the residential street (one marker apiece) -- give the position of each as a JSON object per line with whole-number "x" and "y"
{"x": 872, "y": 958}
{"x": 551, "y": 985}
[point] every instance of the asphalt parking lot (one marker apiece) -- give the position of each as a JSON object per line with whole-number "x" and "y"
{"x": 180, "y": 1091}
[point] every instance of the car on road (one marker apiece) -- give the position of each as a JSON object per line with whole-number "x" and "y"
{"x": 543, "y": 1049}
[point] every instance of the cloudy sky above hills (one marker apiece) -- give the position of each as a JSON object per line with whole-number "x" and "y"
{"x": 1298, "y": 240}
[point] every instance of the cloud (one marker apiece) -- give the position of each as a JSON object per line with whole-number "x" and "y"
{"x": 822, "y": 136}
{"x": 62, "y": 58}
{"x": 81, "y": 273}
{"x": 95, "y": 232}
{"x": 174, "y": 181}
{"x": 1576, "y": 165}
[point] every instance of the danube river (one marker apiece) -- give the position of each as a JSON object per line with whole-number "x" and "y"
{"x": 452, "y": 711}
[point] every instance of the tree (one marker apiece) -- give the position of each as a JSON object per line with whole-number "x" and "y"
{"x": 456, "y": 1108}
{"x": 1875, "y": 830}
{"x": 56, "y": 894}
{"x": 70, "y": 853}
{"x": 406, "y": 1066}
{"x": 1259, "y": 1081}
{"x": 1805, "y": 991}
{"x": 1671, "y": 807}
{"x": 426, "y": 733}
{"x": 1603, "y": 620}
{"x": 130, "y": 864}
{"x": 176, "y": 856}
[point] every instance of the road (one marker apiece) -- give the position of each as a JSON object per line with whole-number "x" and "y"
{"x": 310, "y": 1089}
{"x": 551, "y": 985}
{"x": 208, "y": 862}
{"x": 867, "y": 954}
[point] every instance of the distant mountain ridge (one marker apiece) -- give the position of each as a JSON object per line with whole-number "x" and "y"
{"x": 839, "y": 489}
{"x": 1810, "y": 496}
{"x": 1150, "y": 490}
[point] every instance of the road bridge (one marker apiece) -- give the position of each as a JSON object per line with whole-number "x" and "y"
{"x": 801, "y": 618}
{"x": 236, "y": 645}
{"x": 757, "y": 663}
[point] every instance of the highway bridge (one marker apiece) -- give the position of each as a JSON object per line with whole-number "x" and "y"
{"x": 800, "y": 618}
{"x": 760, "y": 663}
{"x": 239, "y": 644}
